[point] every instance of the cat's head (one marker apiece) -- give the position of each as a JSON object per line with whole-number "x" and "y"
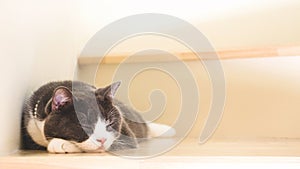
{"x": 85, "y": 116}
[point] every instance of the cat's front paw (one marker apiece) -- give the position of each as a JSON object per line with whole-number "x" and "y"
{"x": 57, "y": 145}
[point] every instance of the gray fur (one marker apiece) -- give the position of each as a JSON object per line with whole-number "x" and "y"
{"x": 75, "y": 121}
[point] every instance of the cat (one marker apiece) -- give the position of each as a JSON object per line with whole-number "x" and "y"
{"x": 74, "y": 117}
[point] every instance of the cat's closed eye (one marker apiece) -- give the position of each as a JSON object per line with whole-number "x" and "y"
{"x": 109, "y": 127}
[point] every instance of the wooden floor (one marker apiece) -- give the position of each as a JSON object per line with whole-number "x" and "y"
{"x": 187, "y": 153}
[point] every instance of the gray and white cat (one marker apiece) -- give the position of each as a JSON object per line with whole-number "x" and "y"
{"x": 72, "y": 116}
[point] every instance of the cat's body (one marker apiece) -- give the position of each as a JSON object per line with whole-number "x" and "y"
{"x": 68, "y": 116}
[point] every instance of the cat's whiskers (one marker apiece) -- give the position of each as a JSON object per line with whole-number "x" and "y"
{"x": 121, "y": 142}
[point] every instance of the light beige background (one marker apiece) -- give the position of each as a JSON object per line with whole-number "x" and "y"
{"x": 262, "y": 99}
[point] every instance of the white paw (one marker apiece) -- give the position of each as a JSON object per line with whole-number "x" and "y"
{"x": 57, "y": 145}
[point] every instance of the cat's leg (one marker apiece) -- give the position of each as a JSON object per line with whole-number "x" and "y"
{"x": 58, "y": 145}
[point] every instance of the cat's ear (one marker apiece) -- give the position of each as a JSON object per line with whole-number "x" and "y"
{"x": 113, "y": 88}
{"x": 62, "y": 97}
{"x": 109, "y": 91}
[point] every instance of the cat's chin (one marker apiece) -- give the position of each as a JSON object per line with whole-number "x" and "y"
{"x": 91, "y": 146}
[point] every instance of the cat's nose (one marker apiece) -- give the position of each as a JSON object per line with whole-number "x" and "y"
{"x": 102, "y": 140}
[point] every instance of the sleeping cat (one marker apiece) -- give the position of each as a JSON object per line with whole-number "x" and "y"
{"x": 72, "y": 116}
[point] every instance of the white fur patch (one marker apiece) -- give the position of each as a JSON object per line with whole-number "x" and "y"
{"x": 100, "y": 132}
{"x": 35, "y": 129}
{"x": 57, "y": 145}
{"x": 91, "y": 146}
{"x": 160, "y": 130}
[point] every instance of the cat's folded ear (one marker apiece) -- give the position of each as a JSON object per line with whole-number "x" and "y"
{"x": 62, "y": 97}
{"x": 109, "y": 91}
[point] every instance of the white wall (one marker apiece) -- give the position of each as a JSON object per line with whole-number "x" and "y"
{"x": 37, "y": 45}
{"x": 227, "y": 24}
